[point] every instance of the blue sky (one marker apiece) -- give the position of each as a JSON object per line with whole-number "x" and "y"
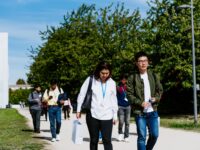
{"x": 23, "y": 19}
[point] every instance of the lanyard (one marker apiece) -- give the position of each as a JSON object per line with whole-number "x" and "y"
{"x": 124, "y": 91}
{"x": 103, "y": 88}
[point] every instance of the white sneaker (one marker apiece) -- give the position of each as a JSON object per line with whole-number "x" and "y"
{"x": 126, "y": 139}
{"x": 53, "y": 140}
{"x": 100, "y": 141}
{"x": 120, "y": 138}
{"x": 57, "y": 137}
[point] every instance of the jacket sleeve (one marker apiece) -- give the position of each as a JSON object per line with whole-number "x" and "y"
{"x": 114, "y": 102}
{"x": 131, "y": 95}
{"x": 31, "y": 100}
{"x": 159, "y": 89}
{"x": 82, "y": 94}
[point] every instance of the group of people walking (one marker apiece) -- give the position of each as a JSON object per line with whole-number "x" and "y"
{"x": 139, "y": 93}
{"x": 52, "y": 101}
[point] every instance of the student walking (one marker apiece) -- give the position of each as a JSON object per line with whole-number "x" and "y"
{"x": 124, "y": 111}
{"x": 45, "y": 110}
{"x": 34, "y": 101}
{"x": 103, "y": 112}
{"x": 67, "y": 107}
{"x": 51, "y": 97}
{"x": 144, "y": 90}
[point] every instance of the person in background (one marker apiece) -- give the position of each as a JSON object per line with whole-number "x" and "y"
{"x": 144, "y": 90}
{"x": 124, "y": 112}
{"x": 103, "y": 112}
{"x": 34, "y": 101}
{"x": 51, "y": 97}
{"x": 45, "y": 110}
{"x": 100, "y": 138}
{"x": 67, "y": 108}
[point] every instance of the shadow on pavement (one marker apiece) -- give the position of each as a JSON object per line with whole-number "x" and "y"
{"x": 88, "y": 139}
{"x": 42, "y": 137}
{"x": 133, "y": 133}
{"x": 114, "y": 139}
{"x": 27, "y": 130}
{"x": 45, "y": 130}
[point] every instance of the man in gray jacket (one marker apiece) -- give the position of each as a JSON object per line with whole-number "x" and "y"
{"x": 35, "y": 107}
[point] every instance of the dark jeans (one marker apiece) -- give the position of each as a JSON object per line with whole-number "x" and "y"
{"x": 124, "y": 114}
{"x": 44, "y": 112}
{"x": 94, "y": 126}
{"x": 54, "y": 117}
{"x": 66, "y": 110}
{"x": 143, "y": 121}
{"x": 36, "y": 119}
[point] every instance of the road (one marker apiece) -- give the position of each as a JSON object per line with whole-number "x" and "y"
{"x": 169, "y": 139}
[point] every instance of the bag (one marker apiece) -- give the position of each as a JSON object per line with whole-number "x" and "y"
{"x": 61, "y": 96}
{"x": 88, "y": 97}
{"x": 77, "y": 136}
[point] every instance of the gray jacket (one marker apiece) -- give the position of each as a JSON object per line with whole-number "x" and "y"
{"x": 34, "y": 100}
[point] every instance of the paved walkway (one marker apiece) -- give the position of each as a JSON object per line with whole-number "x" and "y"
{"x": 169, "y": 139}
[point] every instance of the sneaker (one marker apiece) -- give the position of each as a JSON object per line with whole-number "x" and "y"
{"x": 120, "y": 138}
{"x": 126, "y": 139}
{"x": 53, "y": 140}
{"x": 57, "y": 137}
{"x": 100, "y": 141}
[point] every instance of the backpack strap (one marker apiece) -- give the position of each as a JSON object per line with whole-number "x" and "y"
{"x": 59, "y": 90}
{"x": 32, "y": 95}
{"x": 49, "y": 90}
{"x": 90, "y": 83}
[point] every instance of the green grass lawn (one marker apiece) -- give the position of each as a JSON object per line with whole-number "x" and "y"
{"x": 15, "y": 133}
{"x": 185, "y": 122}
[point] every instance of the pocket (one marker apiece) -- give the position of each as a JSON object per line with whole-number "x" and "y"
{"x": 155, "y": 114}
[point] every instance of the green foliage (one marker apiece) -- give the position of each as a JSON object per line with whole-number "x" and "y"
{"x": 19, "y": 95}
{"x": 71, "y": 51}
{"x": 87, "y": 36}
{"x": 20, "y": 81}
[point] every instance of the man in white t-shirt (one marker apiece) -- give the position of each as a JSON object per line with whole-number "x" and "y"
{"x": 144, "y": 90}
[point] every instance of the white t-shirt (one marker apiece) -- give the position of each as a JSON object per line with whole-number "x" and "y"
{"x": 147, "y": 91}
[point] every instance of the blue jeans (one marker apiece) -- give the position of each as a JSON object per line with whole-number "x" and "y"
{"x": 55, "y": 117}
{"x": 144, "y": 121}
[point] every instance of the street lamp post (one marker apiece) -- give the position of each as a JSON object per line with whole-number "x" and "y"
{"x": 193, "y": 61}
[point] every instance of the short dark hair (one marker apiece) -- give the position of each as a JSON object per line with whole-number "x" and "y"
{"x": 140, "y": 54}
{"x": 102, "y": 65}
{"x": 123, "y": 76}
{"x": 53, "y": 82}
{"x": 36, "y": 86}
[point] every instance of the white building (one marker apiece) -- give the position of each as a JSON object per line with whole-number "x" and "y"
{"x": 20, "y": 86}
{"x": 3, "y": 70}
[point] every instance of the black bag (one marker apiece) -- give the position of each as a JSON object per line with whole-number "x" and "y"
{"x": 86, "y": 105}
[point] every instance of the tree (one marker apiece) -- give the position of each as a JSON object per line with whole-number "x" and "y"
{"x": 87, "y": 36}
{"x": 71, "y": 51}
{"x": 169, "y": 35}
{"x": 20, "y": 81}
